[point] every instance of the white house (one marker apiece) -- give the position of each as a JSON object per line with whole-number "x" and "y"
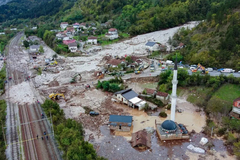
{"x": 65, "y": 38}
{"x": 34, "y": 28}
{"x": 92, "y": 40}
{"x": 72, "y": 47}
{"x": 2, "y": 33}
{"x": 152, "y": 46}
{"x": 63, "y": 25}
{"x": 112, "y": 34}
{"x": 34, "y": 48}
{"x": 76, "y": 25}
{"x": 130, "y": 98}
{"x": 61, "y": 35}
{"x": 13, "y": 29}
{"x": 83, "y": 25}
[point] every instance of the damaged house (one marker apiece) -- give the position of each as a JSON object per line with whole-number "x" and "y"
{"x": 130, "y": 98}
{"x": 120, "y": 123}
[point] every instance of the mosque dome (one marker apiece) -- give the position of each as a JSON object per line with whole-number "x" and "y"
{"x": 169, "y": 125}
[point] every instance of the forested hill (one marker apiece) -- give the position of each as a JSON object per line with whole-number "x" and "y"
{"x": 2, "y": 2}
{"x": 132, "y": 16}
{"x": 215, "y": 42}
{"x": 29, "y": 9}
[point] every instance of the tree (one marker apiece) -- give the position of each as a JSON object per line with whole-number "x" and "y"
{"x": 41, "y": 50}
{"x": 26, "y": 44}
{"x": 236, "y": 149}
{"x": 129, "y": 59}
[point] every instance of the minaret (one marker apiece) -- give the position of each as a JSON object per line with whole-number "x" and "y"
{"x": 174, "y": 91}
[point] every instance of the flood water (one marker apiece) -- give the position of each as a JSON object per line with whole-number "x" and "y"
{"x": 118, "y": 148}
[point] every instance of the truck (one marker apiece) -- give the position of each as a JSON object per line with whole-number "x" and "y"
{"x": 227, "y": 70}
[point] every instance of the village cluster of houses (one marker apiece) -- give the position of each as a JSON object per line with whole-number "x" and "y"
{"x": 69, "y": 31}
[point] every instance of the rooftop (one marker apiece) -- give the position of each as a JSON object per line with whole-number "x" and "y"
{"x": 150, "y": 44}
{"x": 74, "y": 44}
{"x": 119, "y": 118}
{"x": 92, "y": 37}
{"x": 34, "y": 46}
{"x": 112, "y": 29}
{"x": 169, "y": 125}
{"x": 141, "y": 138}
{"x": 128, "y": 94}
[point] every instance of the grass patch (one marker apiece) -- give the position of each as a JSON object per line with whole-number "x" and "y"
{"x": 107, "y": 42}
{"x": 198, "y": 95}
{"x": 228, "y": 92}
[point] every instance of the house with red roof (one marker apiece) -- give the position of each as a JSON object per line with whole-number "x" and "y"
{"x": 112, "y": 33}
{"x": 69, "y": 41}
{"x": 63, "y": 25}
{"x": 83, "y": 25}
{"x": 163, "y": 96}
{"x": 236, "y": 108}
{"x": 76, "y": 25}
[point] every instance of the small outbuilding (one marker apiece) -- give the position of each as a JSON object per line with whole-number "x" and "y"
{"x": 152, "y": 46}
{"x": 120, "y": 123}
{"x": 141, "y": 139}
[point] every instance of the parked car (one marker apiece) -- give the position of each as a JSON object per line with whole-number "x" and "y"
{"x": 93, "y": 113}
{"x": 219, "y": 70}
{"x": 214, "y": 68}
{"x": 210, "y": 69}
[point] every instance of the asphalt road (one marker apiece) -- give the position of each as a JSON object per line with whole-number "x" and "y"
{"x": 148, "y": 73}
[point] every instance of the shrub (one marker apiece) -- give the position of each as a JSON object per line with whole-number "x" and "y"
{"x": 221, "y": 131}
{"x": 146, "y": 107}
{"x": 169, "y": 107}
{"x": 144, "y": 91}
{"x": 163, "y": 114}
{"x": 155, "y": 101}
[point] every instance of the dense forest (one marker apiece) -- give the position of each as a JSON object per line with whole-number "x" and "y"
{"x": 214, "y": 42}
{"x": 132, "y": 16}
{"x": 35, "y": 8}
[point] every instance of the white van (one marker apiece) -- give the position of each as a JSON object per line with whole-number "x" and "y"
{"x": 209, "y": 69}
{"x": 227, "y": 70}
{"x": 169, "y": 62}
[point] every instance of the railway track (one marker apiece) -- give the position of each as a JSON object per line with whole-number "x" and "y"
{"x": 25, "y": 119}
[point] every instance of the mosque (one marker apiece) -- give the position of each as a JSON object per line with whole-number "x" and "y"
{"x": 169, "y": 129}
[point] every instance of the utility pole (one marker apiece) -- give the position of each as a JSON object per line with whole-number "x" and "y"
{"x": 4, "y": 135}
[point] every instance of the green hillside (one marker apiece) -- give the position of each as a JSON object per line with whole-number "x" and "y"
{"x": 132, "y": 16}
{"x": 214, "y": 42}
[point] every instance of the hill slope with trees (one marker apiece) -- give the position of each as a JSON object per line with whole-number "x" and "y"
{"x": 214, "y": 42}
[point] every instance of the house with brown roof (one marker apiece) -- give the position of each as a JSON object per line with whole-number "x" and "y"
{"x": 63, "y": 25}
{"x": 164, "y": 97}
{"x": 236, "y": 108}
{"x": 141, "y": 139}
{"x": 92, "y": 40}
{"x": 112, "y": 33}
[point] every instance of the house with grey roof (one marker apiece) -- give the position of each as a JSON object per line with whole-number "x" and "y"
{"x": 72, "y": 47}
{"x": 34, "y": 48}
{"x": 152, "y": 46}
{"x": 130, "y": 98}
{"x": 120, "y": 123}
